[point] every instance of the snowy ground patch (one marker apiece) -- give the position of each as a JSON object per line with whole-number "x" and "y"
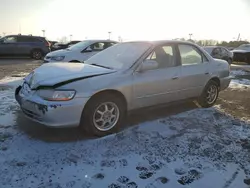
{"x": 238, "y": 82}
{"x": 198, "y": 148}
{"x": 8, "y": 105}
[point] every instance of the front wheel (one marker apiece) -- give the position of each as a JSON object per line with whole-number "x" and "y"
{"x": 209, "y": 95}
{"x": 103, "y": 115}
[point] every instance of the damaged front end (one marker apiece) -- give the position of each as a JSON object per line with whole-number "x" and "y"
{"x": 50, "y": 105}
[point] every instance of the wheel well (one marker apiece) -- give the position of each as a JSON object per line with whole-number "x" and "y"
{"x": 217, "y": 80}
{"x": 76, "y": 61}
{"x": 38, "y": 49}
{"x": 109, "y": 92}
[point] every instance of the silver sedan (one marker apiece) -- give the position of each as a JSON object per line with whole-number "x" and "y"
{"x": 97, "y": 95}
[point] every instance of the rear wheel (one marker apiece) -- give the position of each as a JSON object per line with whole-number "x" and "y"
{"x": 103, "y": 115}
{"x": 36, "y": 54}
{"x": 209, "y": 95}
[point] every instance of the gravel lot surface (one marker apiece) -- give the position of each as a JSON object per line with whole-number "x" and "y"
{"x": 174, "y": 146}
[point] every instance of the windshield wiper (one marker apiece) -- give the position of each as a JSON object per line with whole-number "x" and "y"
{"x": 101, "y": 66}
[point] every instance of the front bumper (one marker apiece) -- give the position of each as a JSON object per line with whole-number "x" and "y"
{"x": 51, "y": 113}
{"x": 241, "y": 57}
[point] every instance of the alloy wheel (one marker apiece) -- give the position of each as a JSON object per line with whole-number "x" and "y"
{"x": 212, "y": 93}
{"x": 106, "y": 116}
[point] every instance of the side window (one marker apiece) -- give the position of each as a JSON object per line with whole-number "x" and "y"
{"x": 190, "y": 55}
{"x": 10, "y": 39}
{"x": 108, "y": 44}
{"x": 216, "y": 51}
{"x": 224, "y": 51}
{"x": 99, "y": 46}
{"x": 27, "y": 39}
{"x": 164, "y": 56}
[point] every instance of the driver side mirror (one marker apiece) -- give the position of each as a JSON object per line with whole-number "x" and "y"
{"x": 148, "y": 64}
{"x": 88, "y": 49}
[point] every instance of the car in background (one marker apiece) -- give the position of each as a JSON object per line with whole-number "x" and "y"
{"x": 220, "y": 52}
{"x": 79, "y": 52}
{"x": 52, "y": 43}
{"x": 60, "y": 46}
{"x": 242, "y": 53}
{"x": 98, "y": 94}
{"x": 24, "y": 45}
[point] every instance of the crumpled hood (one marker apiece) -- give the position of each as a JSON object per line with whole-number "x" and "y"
{"x": 54, "y": 73}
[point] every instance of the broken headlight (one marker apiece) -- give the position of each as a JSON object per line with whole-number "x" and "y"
{"x": 56, "y": 95}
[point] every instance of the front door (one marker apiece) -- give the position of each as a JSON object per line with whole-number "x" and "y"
{"x": 194, "y": 71}
{"x": 9, "y": 46}
{"x": 160, "y": 85}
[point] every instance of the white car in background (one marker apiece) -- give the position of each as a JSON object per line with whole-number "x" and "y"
{"x": 79, "y": 52}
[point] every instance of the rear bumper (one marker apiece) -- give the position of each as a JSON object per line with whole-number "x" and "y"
{"x": 224, "y": 82}
{"x": 51, "y": 113}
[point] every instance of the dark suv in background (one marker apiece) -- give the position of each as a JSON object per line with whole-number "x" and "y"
{"x": 24, "y": 45}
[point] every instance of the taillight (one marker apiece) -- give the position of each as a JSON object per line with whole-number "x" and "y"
{"x": 47, "y": 44}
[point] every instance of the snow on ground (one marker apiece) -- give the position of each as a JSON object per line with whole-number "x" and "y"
{"x": 177, "y": 151}
{"x": 237, "y": 82}
{"x": 199, "y": 148}
{"x": 8, "y": 105}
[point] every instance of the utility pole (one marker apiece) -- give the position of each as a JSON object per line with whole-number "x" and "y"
{"x": 120, "y": 39}
{"x": 20, "y": 29}
{"x": 238, "y": 37}
{"x": 43, "y": 32}
{"x": 190, "y": 36}
{"x": 70, "y": 37}
{"x": 109, "y": 34}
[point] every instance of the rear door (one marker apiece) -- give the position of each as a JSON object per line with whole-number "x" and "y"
{"x": 194, "y": 71}
{"x": 160, "y": 85}
{"x": 24, "y": 45}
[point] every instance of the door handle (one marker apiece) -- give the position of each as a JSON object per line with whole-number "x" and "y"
{"x": 175, "y": 78}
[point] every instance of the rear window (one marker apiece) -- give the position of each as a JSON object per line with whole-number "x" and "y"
{"x": 29, "y": 39}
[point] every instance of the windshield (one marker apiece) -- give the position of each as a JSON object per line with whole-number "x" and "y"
{"x": 80, "y": 45}
{"x": 244, "y": 46}
{"x": 120, "y": 56}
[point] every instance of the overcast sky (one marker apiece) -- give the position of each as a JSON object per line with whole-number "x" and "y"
{"x": 130, "y": 19}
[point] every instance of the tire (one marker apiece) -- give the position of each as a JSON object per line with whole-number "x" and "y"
{"x": 229, "y": 61}
{"x": 92, "y": 113}
{"x": 204, "y": 99}
{"x": 36, "y": 54}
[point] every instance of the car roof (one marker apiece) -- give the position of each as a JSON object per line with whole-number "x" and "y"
{"x": 101, "y": 40}
{"x": 211, "y": 46}
{"x": 24, "y": 36}
{"x": 159, "y": 42}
